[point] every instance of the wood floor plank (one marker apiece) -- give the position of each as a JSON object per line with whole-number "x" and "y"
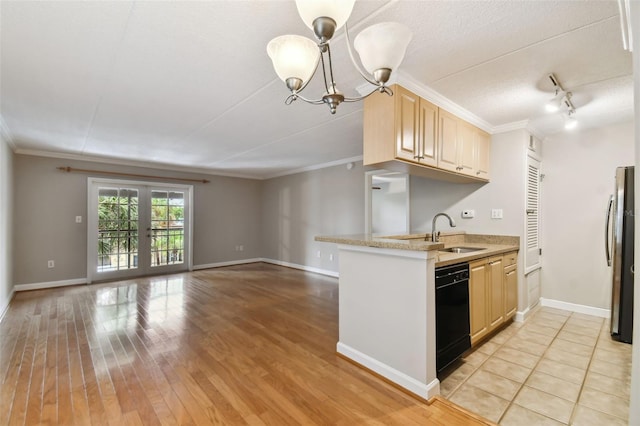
{"x": 36, "y": 388}
{"x": 251, "y": 344}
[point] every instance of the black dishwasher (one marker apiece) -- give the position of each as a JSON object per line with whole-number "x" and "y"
{"x": 452, "y": 314}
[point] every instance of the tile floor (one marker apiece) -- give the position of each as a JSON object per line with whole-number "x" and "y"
{"x": 556, "y": 368}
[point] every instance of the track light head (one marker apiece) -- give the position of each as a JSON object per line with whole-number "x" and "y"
{"x": 554, "y": 103}
{"x": 570, "y": 122}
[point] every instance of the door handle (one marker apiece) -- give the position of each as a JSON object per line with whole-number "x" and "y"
{"x": 606, "y": 232}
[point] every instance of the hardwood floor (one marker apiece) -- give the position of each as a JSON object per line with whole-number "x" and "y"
{"x": 251, "y": 344}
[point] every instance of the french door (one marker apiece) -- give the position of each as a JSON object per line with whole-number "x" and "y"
{"x": 137, "y": 228}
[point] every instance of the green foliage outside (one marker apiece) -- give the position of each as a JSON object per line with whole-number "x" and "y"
{"x": 118, "y": 227}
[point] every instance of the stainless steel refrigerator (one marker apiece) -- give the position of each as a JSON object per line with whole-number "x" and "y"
{"x": 619, "y": 249}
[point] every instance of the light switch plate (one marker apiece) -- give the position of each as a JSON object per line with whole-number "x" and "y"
{"x": 496, "y": 213}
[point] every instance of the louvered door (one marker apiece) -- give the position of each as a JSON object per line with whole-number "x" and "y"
{"x": 532, "y": 252}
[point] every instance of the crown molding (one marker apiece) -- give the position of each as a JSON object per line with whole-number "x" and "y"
{"x": 508, "y": 127}
{"x": 317, "y": 167}
{"x": 176, "y": 168}
{"x": 6, "y": 134}
{"x": 131, "y": 163}
{"x": 438, "y": 99}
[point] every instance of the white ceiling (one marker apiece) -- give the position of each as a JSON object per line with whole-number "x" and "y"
{"x": 189, "y": 84}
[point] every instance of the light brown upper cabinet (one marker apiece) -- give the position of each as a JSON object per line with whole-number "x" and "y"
{"x": 463, "y": 147}
{"x": 400, "y": 127}
{"x": 406, "y": 133}
{"x": 456, "y": 144}
{"x": 482, "y": 161}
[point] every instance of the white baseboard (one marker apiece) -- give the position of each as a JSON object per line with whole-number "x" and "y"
{"x": 301, "y": 267}
{"x": 77, "y": 281}
{"x": 521, "y": 316}
{"x": 5, "y": 308}
{"x": 423, "y": 390}
{"x": 573, "y": 307}
{"x": 49, "y": 284}
{"x": 229, "y": 263}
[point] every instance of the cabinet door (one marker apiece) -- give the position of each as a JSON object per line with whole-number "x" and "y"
{"x": 466, "y": 148}
{"x": 428, "y": 136}
{"x": 448, "y": 141}
{"x": 478, "y": 291}
{"x": 482, "y": 155}
{"x": 407, "y": 126}
{"x": 496, "y": 300}
{"x": 511, "y": 291}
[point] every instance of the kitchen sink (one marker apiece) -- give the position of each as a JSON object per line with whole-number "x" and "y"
{"x": 462, "y": 249}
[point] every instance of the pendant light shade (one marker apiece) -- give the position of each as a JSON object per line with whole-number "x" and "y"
{"x": 293, "y": 56}
{"x": 338, "y": 10}
{"x": 382, "y": 45}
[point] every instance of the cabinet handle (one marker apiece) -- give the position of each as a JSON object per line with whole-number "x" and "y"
{"x": 478, "y": 172}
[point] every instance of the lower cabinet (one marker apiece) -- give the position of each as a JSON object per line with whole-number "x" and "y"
{"x": 478, "y": 306}
{"x": 510, "y": 285}
{"x": 493, "y": 293}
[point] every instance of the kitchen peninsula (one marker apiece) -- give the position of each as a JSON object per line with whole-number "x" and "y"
{"x": 387, "y": 319}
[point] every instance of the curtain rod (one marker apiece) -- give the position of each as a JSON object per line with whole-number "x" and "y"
{"x": 69, "y": 170}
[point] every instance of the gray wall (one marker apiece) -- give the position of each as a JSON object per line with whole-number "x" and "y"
{"x": 298, "y": 207}
{"x": 579, "y": 170}
{"x": 6, "y": 217}
{"x": 506, "y": 191}
{"x": 226, "y": 214}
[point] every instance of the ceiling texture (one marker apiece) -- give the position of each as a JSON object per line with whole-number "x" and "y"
{"x": 189, "y": 86}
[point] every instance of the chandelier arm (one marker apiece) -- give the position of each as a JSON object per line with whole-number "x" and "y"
{"x": 310, "y": 101}
{"x": 353, "y": 59}
{"x": 381, "y": 89}
{"x": 324, "y": 70}
{"x": 333, "y": 81}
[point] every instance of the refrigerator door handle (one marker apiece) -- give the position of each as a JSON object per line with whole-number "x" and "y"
{"x": 606, "y": 231}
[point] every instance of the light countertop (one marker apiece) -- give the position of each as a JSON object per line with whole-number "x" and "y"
{"x": 491, "y": 245}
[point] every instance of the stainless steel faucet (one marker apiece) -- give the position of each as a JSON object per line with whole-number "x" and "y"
{"x": 435, "y": 236}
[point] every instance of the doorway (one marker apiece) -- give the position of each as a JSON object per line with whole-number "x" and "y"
{"x": 387, "y": 203}
{"x": 137, "y": 228}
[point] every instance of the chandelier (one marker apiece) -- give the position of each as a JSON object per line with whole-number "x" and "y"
{"x": 296, "y": 59}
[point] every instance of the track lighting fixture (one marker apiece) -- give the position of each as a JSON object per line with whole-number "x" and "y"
{"x": 562, "y": 99}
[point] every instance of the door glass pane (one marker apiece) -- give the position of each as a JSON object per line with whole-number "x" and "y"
{"x": 167, "y": 228}
{"x": 117, "y": 229}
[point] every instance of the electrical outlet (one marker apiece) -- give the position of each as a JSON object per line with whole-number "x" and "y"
{"x": 78, "y": 219}
{"x": 51, "y": 264}
{"x": 319, "y": 255}
{"x": 496, "y": 213}
{"x": 241, "y": 247}
{"x": 330, "y": 257}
